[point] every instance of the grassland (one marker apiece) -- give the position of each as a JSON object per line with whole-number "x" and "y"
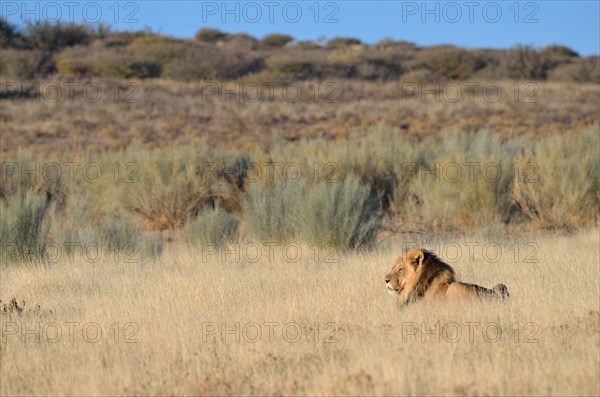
{"x": 177, "y": 235}
{"x": 169, "y": 326}
{"x": 62, "y": 115}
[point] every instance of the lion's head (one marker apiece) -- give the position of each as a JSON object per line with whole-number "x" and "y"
{"x": 413, "y": 273}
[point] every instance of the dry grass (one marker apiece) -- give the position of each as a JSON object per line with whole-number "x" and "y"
{"x": 171, "y": 112}
{"x": 168, "y": 305}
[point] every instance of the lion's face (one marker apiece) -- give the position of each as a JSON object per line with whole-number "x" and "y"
{"x": 403, "y": 276}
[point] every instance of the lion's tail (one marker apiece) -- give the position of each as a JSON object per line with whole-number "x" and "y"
{"x": 501, "y": 290}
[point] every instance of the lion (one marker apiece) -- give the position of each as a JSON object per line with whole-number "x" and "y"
{"x": 420, "y": 275}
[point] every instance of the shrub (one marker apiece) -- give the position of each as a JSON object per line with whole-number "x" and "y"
{"x": 451, "y": 63}
{"x": 206, "y": 62}
{"x": 296, "y": 65}
{"x": 75, "y": 61}
{"x": 563, "y": 186}
{"x": 24, "y": 64}
{"x": 208, "y": 35}
{"x": 211, "y": 226}
{"x": 276, "y": 40}
{"x": 556, "y": 50}
{"x": 420, "y": 76}
{"x": 581, "y": 70}
{"x": 118, "y": 238}
{"x": 17, "y": 181}
{"x": 437, "y": 190}
{"x": 179, "y": 184}
{"x": 338, "y": 42}
{"x": 523, "y": 62}
{"x": 270, "y": 212}
{"x": 159, "y": 49}
{"x": 23, "y": 233}
{"x": 109, "y": 62}
{"x": 48, "y": 36}
{"x": 8, "y": 32}
{"x": 345, "y": 214}
{"x": 123, "y": 236}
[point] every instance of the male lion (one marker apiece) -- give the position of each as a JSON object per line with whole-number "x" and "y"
{"x": 419, "y": 274}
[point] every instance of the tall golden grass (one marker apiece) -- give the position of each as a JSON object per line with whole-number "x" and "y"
{"x": 188, "y": 324}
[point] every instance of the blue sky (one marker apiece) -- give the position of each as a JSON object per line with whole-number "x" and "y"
{"x": 475, "y": 24}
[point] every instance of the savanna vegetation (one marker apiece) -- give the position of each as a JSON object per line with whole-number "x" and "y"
{"x": 162, "y": 190}
{"x": 44, "y": 48}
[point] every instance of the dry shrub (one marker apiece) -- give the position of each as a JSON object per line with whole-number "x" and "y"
{"x": 24, "y": 64}
{"x": 464, "y": 183}
{"x": 178, "y": 184}
{"x": 47, "y": 36}
{"x": 420, "y": 76}
{"x": 580, "y": 70}
{"x": 209, "y": 35}
{"x": 159, "y": 49}
{"x": 295, "y": 64}
{"x": 276, "y": 40}
{"x": 450, "y": 62}
{"x": 206, "y": 62}
{"x": 338, "y": 42}
{"x": 112, "y": 62}
{"x": 561, "y": 186}
{"x": 523, "y": 62}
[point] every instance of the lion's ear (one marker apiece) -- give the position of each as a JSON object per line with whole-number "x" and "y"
{"x": 418, "y": 258}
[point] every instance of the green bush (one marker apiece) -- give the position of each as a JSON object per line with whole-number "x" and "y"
{"x": 271, "y": 212}
{"x": 117, "y": 238}
{"x": 345, "y": 214}
{"x": 23, "y": 232}
{"x": 211, "y": 226}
